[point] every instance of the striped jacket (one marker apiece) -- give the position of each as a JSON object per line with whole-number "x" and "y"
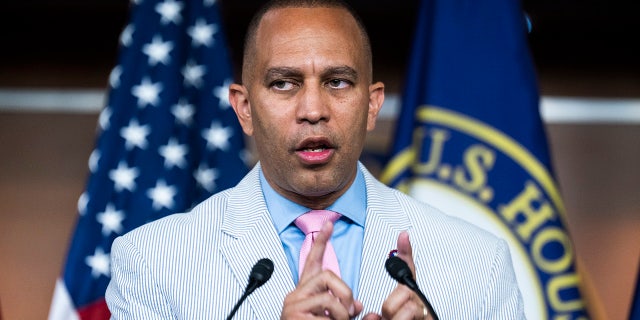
{"x": 195, "y": 265}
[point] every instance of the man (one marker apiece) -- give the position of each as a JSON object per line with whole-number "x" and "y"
{"x": 308, "y": 99}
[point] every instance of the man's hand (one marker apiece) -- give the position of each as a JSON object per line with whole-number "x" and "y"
{"x": 320, "y": 293}
{"x": 402, "y": 303}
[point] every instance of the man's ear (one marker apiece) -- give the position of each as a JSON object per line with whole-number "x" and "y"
{"x": 239, "y": 99}
{"x": 376, "y": 98}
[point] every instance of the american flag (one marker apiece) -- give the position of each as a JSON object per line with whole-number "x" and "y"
{"x": 167, "y": 140}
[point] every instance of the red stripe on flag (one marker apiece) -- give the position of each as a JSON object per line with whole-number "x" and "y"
{"x": 95, "y": 311}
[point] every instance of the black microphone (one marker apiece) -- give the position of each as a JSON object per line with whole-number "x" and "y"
{"x": 399, "y": 270}
{"x": 260, "y": 273}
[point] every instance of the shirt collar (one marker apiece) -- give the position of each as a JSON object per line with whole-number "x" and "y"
{"x": 352, "y": 204}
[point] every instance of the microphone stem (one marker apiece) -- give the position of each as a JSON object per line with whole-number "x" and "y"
{"x": 235, "y": 308}
{"x": 427, "y": 304}
{"x": 250, "y": 288}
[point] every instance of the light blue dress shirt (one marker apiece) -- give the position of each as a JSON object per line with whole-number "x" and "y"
{"x": 348, "y": 231}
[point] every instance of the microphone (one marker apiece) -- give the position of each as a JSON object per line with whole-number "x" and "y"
{"x": 260, "y": 273}
{"x": 399, "y": 270}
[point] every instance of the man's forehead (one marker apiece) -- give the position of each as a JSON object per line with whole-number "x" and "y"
{"x": 316, "y": 18}
{"x": 304, "y": 29}
{"x": 294, "y": 12}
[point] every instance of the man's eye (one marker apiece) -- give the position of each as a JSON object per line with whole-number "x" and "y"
{"x": 338, "y": 83}
{"x": 282, "y": 85}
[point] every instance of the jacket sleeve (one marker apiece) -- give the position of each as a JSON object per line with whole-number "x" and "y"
{"x": 133, "y": 293}
{"x": 503, "y": 299}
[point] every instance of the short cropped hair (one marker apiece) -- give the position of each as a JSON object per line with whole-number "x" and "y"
{"x": 250, "y": 37}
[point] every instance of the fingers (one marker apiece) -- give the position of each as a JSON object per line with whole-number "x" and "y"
{"x": 322, "y": 295}
{"x": 405, "y": 252}
{"x": 404, "y": 244}
{"x": 320, "y": 292}
{"x": 402, "y": 303}
{"x": 372, "y": 316}
{"x": 313, "y": 265}
{"x": 319, "y": 305}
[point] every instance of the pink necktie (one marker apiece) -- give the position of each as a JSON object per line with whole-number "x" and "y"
{"x": 310, "y": 223}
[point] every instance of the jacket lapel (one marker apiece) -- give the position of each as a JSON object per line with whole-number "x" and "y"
{"x": 251, "y": 236}
{"x": 384, "y": 223}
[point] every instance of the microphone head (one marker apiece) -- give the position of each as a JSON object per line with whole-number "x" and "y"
{"x": 399, "y": 270}
{"x": 261, "y": 271}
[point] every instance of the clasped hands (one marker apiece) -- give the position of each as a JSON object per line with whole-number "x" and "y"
{"x": 323, "y": 295}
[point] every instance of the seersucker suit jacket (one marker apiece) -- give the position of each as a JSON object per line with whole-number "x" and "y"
{"x": 195, "y": 265}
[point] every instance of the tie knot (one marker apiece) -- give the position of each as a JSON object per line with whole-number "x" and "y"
{"x": 313, "y": 220}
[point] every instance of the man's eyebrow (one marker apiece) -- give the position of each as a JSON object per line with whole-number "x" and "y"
{"x": 342, "y": 71}
{"x": 279, "y": 72}
{"x": 288, "y": 72}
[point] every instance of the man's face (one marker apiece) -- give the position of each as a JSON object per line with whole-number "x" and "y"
{"x": 308, "y": 102}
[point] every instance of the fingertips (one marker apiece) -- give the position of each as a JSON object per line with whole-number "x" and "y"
{"x": 313, "y": 265}
{"x": 343, "y": 293}
{"x": 357, "y": 308}
{"x": 325, "y": 232}
{"x": 400, "y": 304}
{"x": 405, "y": 252}
{"x": 404, "y": 244}
{"x": 372, "y": 316}
{"x": 329, "y": 304}
{"x": 398, "y": 297}
{"x": 321, "y": 238}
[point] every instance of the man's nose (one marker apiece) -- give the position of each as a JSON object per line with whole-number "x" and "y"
{"x": 313, "y": 105}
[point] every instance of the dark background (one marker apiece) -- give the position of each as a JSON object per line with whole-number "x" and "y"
{"x": 581, "y": 42}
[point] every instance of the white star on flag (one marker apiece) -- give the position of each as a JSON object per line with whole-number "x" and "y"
{"x": 135, "y": 135}
{"x": 94, "y": 157}
{"x": 217, "y": 136}
{"x": 158, "y": 51}
{"x": 183, "y": 111}
{"x": 193, "y": 73}
{"x": 126, "y": 37}
{"x": 162, "y": 195}
{"x": 111, "y": 220}
{"x": 147, "y": 92}
{"x": 114, "y": 76}
{"x": 104, "y": 118}
{"x": 222, "y": 93}
{"x": 202, "y": 33}
{"x": 124, "y": 177}
{"x": 99, "y": 263}
{"x": 170, "y": 11}
{"x": 174, "y": 154}
{"x": 83, "y": 200}
{"x": 206, "y": 177}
